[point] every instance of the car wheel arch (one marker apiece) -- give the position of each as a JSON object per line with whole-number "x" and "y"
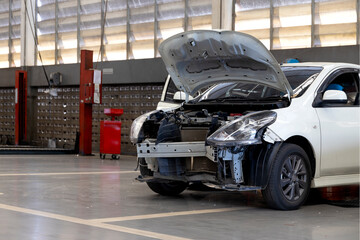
{"x": 270, "y": 151}
{"x": 308, "y": 148}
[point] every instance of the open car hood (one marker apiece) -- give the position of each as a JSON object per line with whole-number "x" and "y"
{"x": 200, "y": 58}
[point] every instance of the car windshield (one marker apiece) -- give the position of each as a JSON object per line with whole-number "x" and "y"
{"x": 300, "y": 78}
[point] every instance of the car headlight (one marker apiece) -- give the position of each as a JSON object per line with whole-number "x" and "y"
{"x": 242, "y": 131}
{"x": 136, "y": 126}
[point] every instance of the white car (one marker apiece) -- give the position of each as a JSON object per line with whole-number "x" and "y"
{"x": 256, "y": 126}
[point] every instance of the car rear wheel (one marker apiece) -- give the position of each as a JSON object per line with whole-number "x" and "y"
{"x": 171, "y": 188}
{"x": 289, "y": 182}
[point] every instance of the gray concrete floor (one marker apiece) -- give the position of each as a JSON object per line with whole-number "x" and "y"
{"x": 70, "y": 197}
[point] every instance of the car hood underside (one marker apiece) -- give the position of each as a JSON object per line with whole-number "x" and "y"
{"x": 200, "y": 58}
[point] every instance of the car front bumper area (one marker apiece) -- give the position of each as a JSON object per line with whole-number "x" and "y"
{"x": 194, "y": 162}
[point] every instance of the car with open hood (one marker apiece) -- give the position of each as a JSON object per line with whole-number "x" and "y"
{"x": 248, "y": 123}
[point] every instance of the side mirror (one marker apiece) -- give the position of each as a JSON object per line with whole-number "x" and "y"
{"x": 334, "y": 96}
{"x": 180, "y": 96}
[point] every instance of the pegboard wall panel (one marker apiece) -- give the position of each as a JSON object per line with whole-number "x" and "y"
{"x": 7, "y": 116}
{"x": 58, "y": 117}
{"x": 134, "y": 99}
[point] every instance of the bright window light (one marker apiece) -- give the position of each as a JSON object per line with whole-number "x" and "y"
{"x": 295, "y": 42}
{"x": 17, "y": 62}
{"x": 337, "y": 40}
{"x": 46, "y": 47}
{"x": 17, "y": 48}
{"x": 4, "y": 64}
{"x": 252, "y": 24}
{"x": 38, "y": 16}
{"x": 69, "y": 58}
{"x": 166, "y": 33}
{"x": 266, "y": 43}
{"x": 116, "y": 55}
{"x": 293, "y": 21}
{"x": 69, "y": 43}
{"x": 348, "y": 16}
{"x": 4, "y": 50}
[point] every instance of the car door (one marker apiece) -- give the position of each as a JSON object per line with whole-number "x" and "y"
{"x": 340, "y": 125}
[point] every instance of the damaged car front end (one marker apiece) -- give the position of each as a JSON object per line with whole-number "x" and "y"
{"x": 198, "y": 146}
{"x": 220, "y": 138}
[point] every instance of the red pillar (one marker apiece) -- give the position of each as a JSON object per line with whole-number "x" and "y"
{"x": 86, "y": 95}
{"x": 20, "y": 106}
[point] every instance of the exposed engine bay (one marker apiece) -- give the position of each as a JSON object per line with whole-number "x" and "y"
{"x": 177, "y": 145}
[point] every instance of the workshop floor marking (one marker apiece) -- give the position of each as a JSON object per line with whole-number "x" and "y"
{"x": 63, "y": 173}
{"x": 169, "y": 214}
{"x": 93, "y": 224}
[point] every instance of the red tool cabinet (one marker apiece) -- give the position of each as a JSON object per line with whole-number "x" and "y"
{"x": 110, "y": 134}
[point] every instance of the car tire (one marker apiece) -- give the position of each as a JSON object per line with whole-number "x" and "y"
{"x": 289, "y": 179}
{"x": 171, "y": 188}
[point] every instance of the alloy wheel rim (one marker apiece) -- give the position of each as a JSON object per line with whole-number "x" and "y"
{"x": 293, "y": 178}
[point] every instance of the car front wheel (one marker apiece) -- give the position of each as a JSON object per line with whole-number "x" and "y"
{"x": 171, "y": 188}
{"x": 289, "y": 180}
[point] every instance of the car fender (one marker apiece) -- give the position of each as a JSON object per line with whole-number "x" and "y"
{"x": 264, "y": 163}
{"x": 299, "y": 119}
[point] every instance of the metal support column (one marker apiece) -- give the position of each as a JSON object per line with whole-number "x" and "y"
{"x": 26, "y": 31}
{"x": 78, "y": 32}
{"x": 312, "y": 23}
{"x": 128, "y": 55}
{"x": 102, "y": 48}
{"x": 156, "y": 26}
{"x": 216, "y": 14}
{"x": 358, "y": 24}
{"x": 23, "y": 33}
{"x": 186, "y": 18}
{"x": 271, "y": 24}
{"x": 10, "y": 56}
{"x": 227, "y": 7}
{"x": 36, "y": 26}
{"x": 56, "y": 32}
{"x": 233, "y": 13}
{"x": 85, "y": 117}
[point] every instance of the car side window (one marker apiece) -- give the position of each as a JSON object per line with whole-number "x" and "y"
{"x": 349, "y": 83}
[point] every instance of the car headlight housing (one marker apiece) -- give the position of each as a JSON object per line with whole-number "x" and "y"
{"x": 243, "y": 130}
{"x": 136, "y": 126}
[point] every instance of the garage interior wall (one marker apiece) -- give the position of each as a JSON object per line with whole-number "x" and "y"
{"x": 128, "y": 40}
